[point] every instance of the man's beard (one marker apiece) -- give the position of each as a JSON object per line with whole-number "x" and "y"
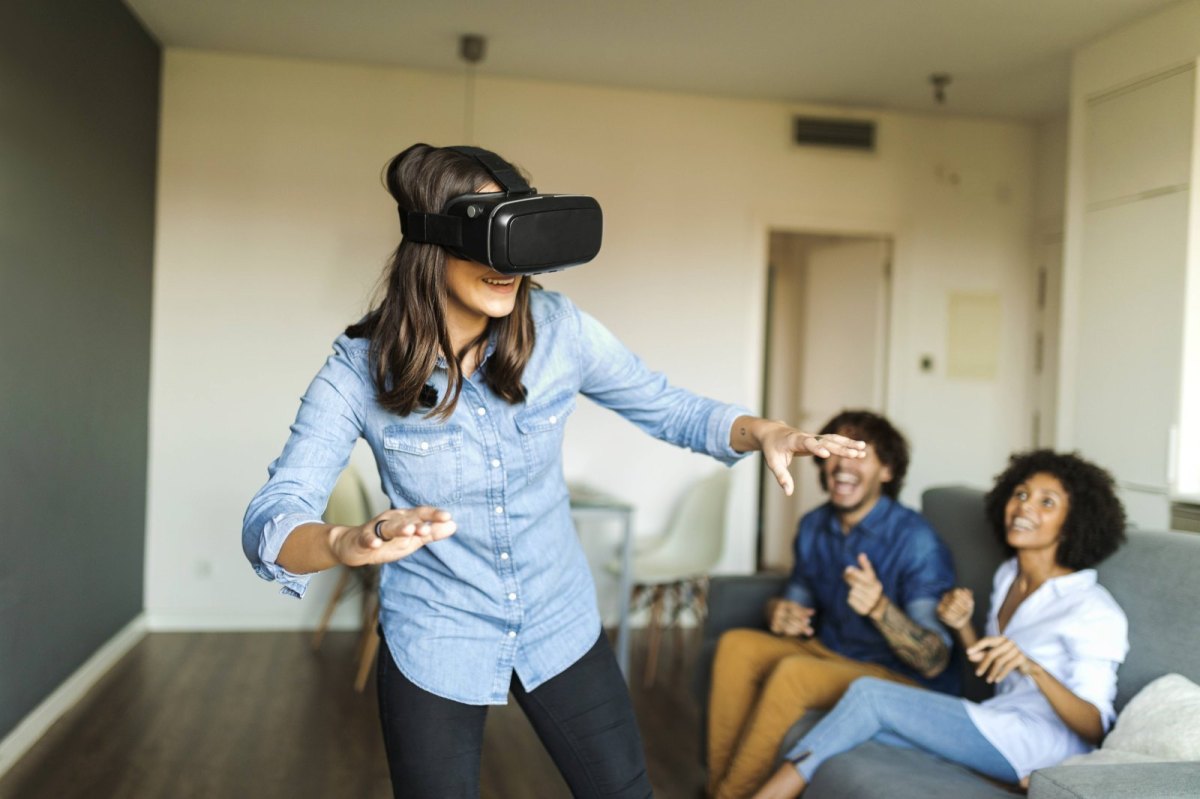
{"x": 846, "y": 510}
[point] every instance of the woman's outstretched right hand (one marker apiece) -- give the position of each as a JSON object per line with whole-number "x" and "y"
{"x": 392, "y": 535}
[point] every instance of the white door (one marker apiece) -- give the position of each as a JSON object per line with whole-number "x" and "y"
{"x": 828, "y": 352}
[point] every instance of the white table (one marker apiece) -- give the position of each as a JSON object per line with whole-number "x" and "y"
{"x": 587, "y": 501}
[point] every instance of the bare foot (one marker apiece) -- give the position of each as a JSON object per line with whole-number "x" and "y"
{"x": 786, "y": 783}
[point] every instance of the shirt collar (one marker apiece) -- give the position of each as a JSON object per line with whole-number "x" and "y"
{"x": 487, "y": 353}
{"x": 872, "y": 523}
{"x": 1075, "y": 581}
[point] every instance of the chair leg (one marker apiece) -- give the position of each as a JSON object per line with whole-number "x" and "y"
{"x": 700, "y": 598}
{"x": 368, "y": 644}
{"x": 635, "y": 597}
{"x": 683, "y": 599}
{"x": 338, "y": 590}
{"x": 655, "y": 636}
{"x": 366, "y": 660}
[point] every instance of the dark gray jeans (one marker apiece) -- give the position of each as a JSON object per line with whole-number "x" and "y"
{"x": 583, "y": 717}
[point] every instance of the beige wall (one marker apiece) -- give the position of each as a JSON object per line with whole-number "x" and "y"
{"x": 273, "y": 226}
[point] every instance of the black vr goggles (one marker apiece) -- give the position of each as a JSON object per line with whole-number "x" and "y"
{"x": 515, "y": 231}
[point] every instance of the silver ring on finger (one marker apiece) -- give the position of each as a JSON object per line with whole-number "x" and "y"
{"x": 378, "y": 531}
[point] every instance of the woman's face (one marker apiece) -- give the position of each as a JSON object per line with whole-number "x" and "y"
{"x": 476, "y": 293}
{"x": 1034, "y": 515}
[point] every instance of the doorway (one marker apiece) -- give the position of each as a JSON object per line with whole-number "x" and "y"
{"x": 828, "y": 301}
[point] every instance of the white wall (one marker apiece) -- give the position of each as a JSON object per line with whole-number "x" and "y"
{"x": 273, "y": 227}
{"x": 1132, "y": 299}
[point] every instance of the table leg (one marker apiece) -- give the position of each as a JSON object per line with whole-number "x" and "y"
{"x": 626, "y": 588}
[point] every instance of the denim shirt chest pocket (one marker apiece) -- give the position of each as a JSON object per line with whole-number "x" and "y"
{"x": 541, "y": 430}
{"x": 425, "y": 462}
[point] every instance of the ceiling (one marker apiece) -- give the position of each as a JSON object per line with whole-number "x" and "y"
{"x": 1008, "y": 58}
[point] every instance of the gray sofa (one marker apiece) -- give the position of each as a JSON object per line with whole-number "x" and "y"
{"x": 1152, "y": 577}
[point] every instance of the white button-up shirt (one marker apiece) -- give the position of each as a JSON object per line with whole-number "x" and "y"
{"x": 1073, "y": 628}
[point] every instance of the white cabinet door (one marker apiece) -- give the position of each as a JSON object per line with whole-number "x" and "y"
{"x": 1132, "y": 280}
{"x": 1140, "y": 139}
{"x": 1131, "y": 336}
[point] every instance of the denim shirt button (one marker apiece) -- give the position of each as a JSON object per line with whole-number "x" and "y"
{"x": 553, "y": 420}
{"x": 481, "y": 411}
{"x": 512, "y": 597}
{"x": 495, "y": 463}
{"x": 503, "y": 556}
{"x": 424, "y": 445}
{"x": 499, "y": 509}
{"x": 512, "y": 633}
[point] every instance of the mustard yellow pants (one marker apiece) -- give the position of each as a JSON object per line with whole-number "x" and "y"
{"x": 762, "y": 684}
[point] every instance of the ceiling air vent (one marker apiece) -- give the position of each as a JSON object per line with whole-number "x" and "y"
{"x": 848, "y": 134}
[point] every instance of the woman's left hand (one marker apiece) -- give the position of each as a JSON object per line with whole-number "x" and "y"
{"x": 997, "y": 656}
{"x": 780, "y": 443}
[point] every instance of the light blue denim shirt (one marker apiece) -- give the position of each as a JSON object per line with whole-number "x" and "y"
{"x": 511, "y": 589}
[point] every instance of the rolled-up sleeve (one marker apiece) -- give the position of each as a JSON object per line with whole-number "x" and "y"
{"x": 300, "y": 480}
{"x": 1097, "y": 644}
{"x": 615, "y": 378}
{"x": 797, "y": 591}
{"x": 928, "y": 574}
{"x": 924, "y": 612}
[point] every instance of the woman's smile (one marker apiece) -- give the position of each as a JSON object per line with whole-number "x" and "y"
{"x": 502, "y": 284}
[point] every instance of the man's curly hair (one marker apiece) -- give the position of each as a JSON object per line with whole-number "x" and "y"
{"x": 1095, "y": 524}
{"x": 891, "y": 447}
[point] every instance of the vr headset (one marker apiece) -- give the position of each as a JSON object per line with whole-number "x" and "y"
{"x": 515, "y": 231}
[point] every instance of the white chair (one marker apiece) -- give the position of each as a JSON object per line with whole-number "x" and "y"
{"x": 348, "y": 505}
{"x": 676, "y": 564}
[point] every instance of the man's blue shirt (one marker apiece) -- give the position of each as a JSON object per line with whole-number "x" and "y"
{"x": 911, "y": 562}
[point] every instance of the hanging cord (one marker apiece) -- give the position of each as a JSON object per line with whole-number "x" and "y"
{"x": 469, "y": 109}
{"x": 471, "y": 48}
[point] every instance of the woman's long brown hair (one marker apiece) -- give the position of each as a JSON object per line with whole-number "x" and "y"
{"x": 408, "y": 328}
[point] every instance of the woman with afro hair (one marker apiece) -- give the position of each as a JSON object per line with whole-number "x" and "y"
{"x": 1052, "y": 645}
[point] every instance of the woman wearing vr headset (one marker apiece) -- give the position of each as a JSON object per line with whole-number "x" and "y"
{"x": 461, "y": 380}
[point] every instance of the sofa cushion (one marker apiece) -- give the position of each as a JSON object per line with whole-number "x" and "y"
{"x": 876, "y": 770}
{"x": 888, "y": 772}
{"x": 958, "y": 516}
{"x": 1153, "y": 578}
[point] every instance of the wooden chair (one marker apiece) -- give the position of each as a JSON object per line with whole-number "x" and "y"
{"x": 348, "y": 504}
{"x": 672, "y": 569}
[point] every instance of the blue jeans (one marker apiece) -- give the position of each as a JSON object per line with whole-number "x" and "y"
{"x": 899, "y": 715}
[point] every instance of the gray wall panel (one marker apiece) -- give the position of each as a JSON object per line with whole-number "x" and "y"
{"x": 79, "y": 94}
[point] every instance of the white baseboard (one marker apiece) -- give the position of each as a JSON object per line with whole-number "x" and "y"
{"x": 65, "y": 697}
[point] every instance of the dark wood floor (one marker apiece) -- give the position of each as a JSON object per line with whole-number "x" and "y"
{"x": 260, "y": 715}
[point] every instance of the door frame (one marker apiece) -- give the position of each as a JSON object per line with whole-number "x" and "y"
{"x": 876, "y": 230}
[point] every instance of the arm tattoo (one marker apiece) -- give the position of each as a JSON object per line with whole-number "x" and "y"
{"x": 915, "y": 645}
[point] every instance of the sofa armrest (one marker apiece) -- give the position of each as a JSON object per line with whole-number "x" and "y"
{"x": 738, "y": 601}
{"x": 733, "y": 601}
{"x": 1143, "y": 780}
